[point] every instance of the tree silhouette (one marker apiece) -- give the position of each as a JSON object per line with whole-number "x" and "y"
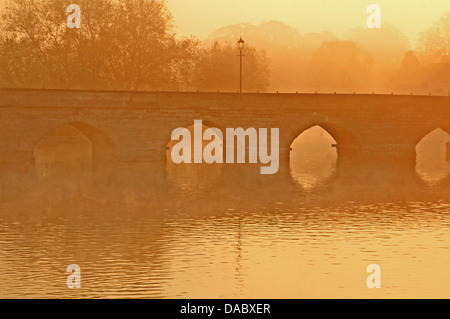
{"x": 436, "y": 40}
{"x": 340, "y": 66}
{"x": 218, "y": 69}
{"x": 288, "y": 49}
{"x": 126, "y": 44}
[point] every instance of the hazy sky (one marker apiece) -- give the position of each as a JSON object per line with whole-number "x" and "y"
{"x": 201, "y": 17}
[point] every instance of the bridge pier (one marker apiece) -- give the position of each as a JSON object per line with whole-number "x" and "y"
{"x": 139, "y": 168}
{"x": 17, "y": 158}
{"x": 16, "y": 173}
{"x": 380, "y": 163}
{"x": 248, "y": 176}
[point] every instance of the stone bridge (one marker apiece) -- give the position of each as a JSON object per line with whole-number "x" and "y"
{"x": 137, "y": 126}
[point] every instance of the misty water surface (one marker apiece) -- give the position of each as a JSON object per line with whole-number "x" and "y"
{"x": 309, "y": 235}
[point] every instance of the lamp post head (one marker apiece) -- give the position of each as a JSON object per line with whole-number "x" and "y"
{"x": 241, "y": 44}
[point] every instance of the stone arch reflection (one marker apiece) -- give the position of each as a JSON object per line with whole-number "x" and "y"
{"x": 313, "y": 157}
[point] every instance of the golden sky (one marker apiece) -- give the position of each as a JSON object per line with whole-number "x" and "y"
{"x": 202, "y": 17}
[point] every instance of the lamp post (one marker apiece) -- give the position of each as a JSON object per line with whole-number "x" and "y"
{"x": 241, "y": 44}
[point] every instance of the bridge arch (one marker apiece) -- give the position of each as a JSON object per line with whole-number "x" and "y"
{"x": 433, "y": 155}
{"x": 347, "y": 145}
{"x": 318, "y": 150}
{"x": 313, "y": 158}
{"x": 102, "y": 146}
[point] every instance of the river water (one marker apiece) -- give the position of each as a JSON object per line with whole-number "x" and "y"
{"x": 197, "y": 240}
{"x": 171, "y": 231}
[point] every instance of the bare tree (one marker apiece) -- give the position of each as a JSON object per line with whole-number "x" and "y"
{"x": 125, "y": 44}
{"x": 436, "y": 40}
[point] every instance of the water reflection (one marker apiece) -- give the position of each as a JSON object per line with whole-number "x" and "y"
{"x": 284, "y": 249}
{"x": 135, "y": 234}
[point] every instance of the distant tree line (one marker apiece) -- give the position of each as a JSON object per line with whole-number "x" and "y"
{"x": 132, "y": 45}
{"x": 363, "y": 60}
